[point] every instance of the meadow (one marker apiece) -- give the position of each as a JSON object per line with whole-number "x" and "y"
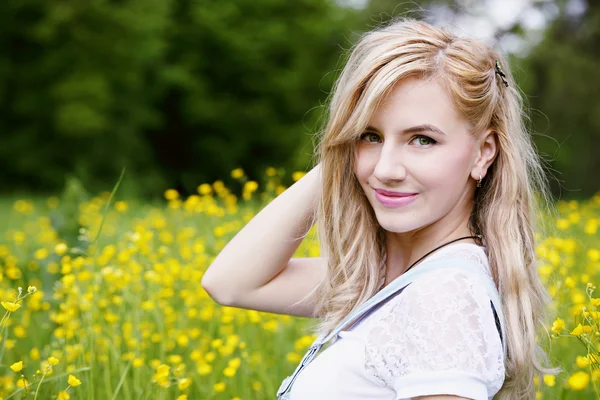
{"x": 101, "y": 299}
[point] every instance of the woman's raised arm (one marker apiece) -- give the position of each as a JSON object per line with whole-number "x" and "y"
{"x": 255, "y": 270}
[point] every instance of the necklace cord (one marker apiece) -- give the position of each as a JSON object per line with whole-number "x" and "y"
{"x": 439, "y": 247}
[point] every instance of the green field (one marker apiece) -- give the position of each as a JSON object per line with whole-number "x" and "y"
{"x": 123, "y": 312}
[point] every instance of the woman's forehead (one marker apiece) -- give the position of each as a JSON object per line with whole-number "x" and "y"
{"x": 414, "y": 101}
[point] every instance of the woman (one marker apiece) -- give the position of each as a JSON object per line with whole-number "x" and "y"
{"x": 425, "y": 156}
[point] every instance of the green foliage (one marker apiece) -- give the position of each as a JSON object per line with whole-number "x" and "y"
{"x": 181, "y": 92}
{"x": 177, "y": 91}
{"x": 561, "y": 78}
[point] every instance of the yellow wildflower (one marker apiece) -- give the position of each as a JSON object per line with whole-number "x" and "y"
{"x": 558, "y": 325}
{"x": 237, "y": 173}
{"x": 40, "y": 254}
{"x": 18, "y": 366}
{"x": 579, "y": 380}
{"x": 22, "y": 382}
{"x": 293, "y": 358}
{"x": 121, "y": 206}
{"x": 73, "y": 381}
{"x": 550, "y": 380}
{"x": 53, "y": 360}
{"x": 579, "y": 329}
{"x": 184, "y": 383}
{"x": 205, "y": 189}
{"x": 562, "y": 224}
{"x": 271, "y": 171}
{"x": 10, "y": 306}
{"x": 296, "y": 176}
{"x": 60, "y": 249}
{"x": 182, "y": 397}
{"x": 171, "y": 194}
{"x": 219, "y": 387}
{"x": 250, "y": 186}
{"x": 582, "y": 362}
{"x": 63, "y": 396}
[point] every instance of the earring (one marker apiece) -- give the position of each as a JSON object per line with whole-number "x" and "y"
{"x": 479, "y": 183}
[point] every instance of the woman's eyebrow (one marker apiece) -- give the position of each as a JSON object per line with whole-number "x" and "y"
{"x": 415, "y": 129}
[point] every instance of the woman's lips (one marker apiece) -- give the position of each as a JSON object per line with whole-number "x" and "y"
{"x": 395, "y": 201}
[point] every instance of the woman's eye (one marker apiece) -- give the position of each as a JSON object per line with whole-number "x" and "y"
{"x": 368, "y": 134}
{"x": 424, "y": 140}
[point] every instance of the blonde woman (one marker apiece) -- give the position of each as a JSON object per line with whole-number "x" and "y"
{"x": 425, "y": 157}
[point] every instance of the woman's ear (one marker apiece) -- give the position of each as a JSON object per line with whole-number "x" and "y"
{"x": 488, "y": 150}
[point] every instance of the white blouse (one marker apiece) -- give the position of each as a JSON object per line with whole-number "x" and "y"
{"x": 438, "y": 336}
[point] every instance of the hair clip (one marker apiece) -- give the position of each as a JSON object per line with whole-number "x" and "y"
{"x": 501, "y": 73}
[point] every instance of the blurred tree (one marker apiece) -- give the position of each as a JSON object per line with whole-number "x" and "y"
{"x": 177, "y": 91}
{"x": 182, "y": 91}
{"x": 77, "y": 85}
{"x": 562, "y": 79}
{"x": 242, "y": 78}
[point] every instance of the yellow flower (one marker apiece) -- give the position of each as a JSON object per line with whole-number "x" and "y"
{"x": 73, "y": 381}
{"x": 205, "y": 189}
{"x": 63, "y": 396}
{"x": 171, "y": 194}
{"x": 52, "y": 360}
{"x": 138, "y": 362}
{"x": 60, "y": 249}
{"x": 593, "y": 255}
{"x": 558, "y": 325}
{"x": 294, "y": 358}
{"x": 182, "y": 397}
{"x": 18, "y": 366}
{"x": 579, "y": 380}
{"x": 582, "y": 362}
{"x": 591, "y": 227}
{"x": 219, "y": 387}
{"x": 40, "y": 254}
{"x": 121, "y": 206}
{"x": 237, "y": 173}
{"x": 184, "y": 383}
{"x": 271, "y": 171}
{"x": 22, "y": 382}
{"x": 162, "y": 373}
{"x": 10, "y": 306}
{"x": 31, "y": 289}
{"x": 562, "y": 224}
{"x": 250, "y": 186}
{"x": 550, "y": 380}
{"x": 34, "y": 353}
{"x": 204, "y": 369}
{"x": 579, "y": 329}
{"x": 296, "y": 176}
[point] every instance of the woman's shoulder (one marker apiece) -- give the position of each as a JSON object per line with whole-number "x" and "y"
{"x": 441, "y": 323}
{"x": 467, "y": 252}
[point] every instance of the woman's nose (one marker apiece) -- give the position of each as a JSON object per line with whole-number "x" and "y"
{"x": 390, "y": 166}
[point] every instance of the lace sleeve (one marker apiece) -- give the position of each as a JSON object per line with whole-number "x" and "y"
{"x": 438, "y": 336}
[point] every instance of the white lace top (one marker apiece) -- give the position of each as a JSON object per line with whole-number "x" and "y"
{"x": 438, "y": 336}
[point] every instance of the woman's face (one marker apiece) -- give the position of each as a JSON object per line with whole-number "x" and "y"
{"x": 417, "y": 143}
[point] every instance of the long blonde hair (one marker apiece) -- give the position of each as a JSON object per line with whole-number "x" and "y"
{"x": 505, "y": 207}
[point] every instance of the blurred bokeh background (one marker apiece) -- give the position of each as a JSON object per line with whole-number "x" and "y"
{"x": 181, "y": 92}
